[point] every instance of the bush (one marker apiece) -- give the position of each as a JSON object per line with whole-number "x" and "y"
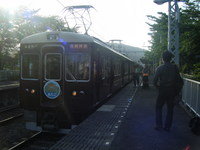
{"x": 196, "y": 72}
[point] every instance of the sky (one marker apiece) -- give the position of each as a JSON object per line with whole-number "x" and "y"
{"x": 111, "y": 19}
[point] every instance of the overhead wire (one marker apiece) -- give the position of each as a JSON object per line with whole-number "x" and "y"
{"x": 90, "y": 28}
{"x": 60, "y": 3}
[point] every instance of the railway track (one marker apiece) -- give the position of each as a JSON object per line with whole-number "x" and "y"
{"x": 10, "y": 113}
{"x": 39, "y": 141}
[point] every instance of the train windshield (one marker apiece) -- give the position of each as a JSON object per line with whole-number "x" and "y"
{"x": 77, "y": 66}
{"x": 53, "y": 66}
{"x": 30, "y": 66}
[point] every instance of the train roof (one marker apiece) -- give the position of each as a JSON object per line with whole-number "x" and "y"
{"x": 56, "y": 36}
{"x": 71, "y": 37}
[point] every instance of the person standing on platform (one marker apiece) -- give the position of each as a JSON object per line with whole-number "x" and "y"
{"x": 165, "y": 80}
{"x": 136, "y": 78}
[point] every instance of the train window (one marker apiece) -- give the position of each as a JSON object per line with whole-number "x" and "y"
{"x": 53, "y": 66}
{"x": 30, "y": 66}
{"x": 77, "y": 66}
{"x": 106, "y": 66}
{"x": 126, "y": 68}
{"x": 117, "y": 70}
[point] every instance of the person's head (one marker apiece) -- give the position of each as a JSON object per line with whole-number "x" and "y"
{"x": 167, "y": 56}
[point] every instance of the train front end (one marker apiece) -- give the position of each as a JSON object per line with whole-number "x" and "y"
{"x": 55, "y": 80}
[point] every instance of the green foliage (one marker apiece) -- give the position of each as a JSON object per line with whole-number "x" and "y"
{"x": 159, "y": 31}
{"x": 14, "y": 27}
{"x": 27, "y": 22}
{"x": 7, "y": 38}
{"x": 189, "y": 38}
{"x": 196, "y": 72}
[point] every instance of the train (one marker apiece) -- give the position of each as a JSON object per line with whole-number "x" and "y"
{"x": 65, "y": 76}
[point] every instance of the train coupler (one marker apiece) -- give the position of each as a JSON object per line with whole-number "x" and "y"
{"x": 49, "y": 123}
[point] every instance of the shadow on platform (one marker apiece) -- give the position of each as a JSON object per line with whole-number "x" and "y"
{"x": 137, "y": 130}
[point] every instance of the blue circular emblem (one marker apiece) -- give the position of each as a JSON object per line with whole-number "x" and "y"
{"x": 51, "y": 89}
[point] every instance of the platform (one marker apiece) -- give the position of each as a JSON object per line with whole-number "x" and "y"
{"x": 126, "y": 122}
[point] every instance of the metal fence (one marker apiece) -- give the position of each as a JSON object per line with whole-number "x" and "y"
{"x": 191, "y": 95}
{"x": 9, "y": 75}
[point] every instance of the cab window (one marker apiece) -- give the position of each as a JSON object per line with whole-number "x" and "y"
{"x": 53, "y": 66}
{"x": 30, "y": 66}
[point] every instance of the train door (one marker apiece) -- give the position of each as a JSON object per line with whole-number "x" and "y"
{"x": 105, "y": 78}
{"x": 29, "y": 81}
{"x": 122, "y": 72}
{"x": 96, "y": 77}
{"x": 52, "y": 79}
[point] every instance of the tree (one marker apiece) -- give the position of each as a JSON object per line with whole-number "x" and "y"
{"x": 24, "y": 22}
{"x": 27, "y": 22}
{"x": 158, "y": 34}
{"x": 189, "y": 38}
{"x": 7, "y": 39}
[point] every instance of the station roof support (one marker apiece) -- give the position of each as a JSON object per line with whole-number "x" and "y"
{"x": 173, "y": 27}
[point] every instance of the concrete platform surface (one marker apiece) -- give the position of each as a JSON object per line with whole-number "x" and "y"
{"x": 137, "y": 130}
{"x": 126, "y": 122}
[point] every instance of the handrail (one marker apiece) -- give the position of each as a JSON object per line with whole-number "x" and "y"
{"x": 191, "y": 95}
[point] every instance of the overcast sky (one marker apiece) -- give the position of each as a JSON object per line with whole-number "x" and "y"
{"x": 111, "y": 19}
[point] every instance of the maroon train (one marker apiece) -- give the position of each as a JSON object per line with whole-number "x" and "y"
{"x": 65, "y": 76}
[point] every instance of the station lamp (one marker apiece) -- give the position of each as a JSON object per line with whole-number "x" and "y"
{"x": 160, "y": 2}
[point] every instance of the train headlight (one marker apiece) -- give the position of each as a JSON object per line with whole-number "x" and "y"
{"x": 32, "y": 91}
{"x": 74, "y": 93}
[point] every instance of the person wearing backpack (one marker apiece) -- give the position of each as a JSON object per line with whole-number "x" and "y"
{"x": 165, "y": 80}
